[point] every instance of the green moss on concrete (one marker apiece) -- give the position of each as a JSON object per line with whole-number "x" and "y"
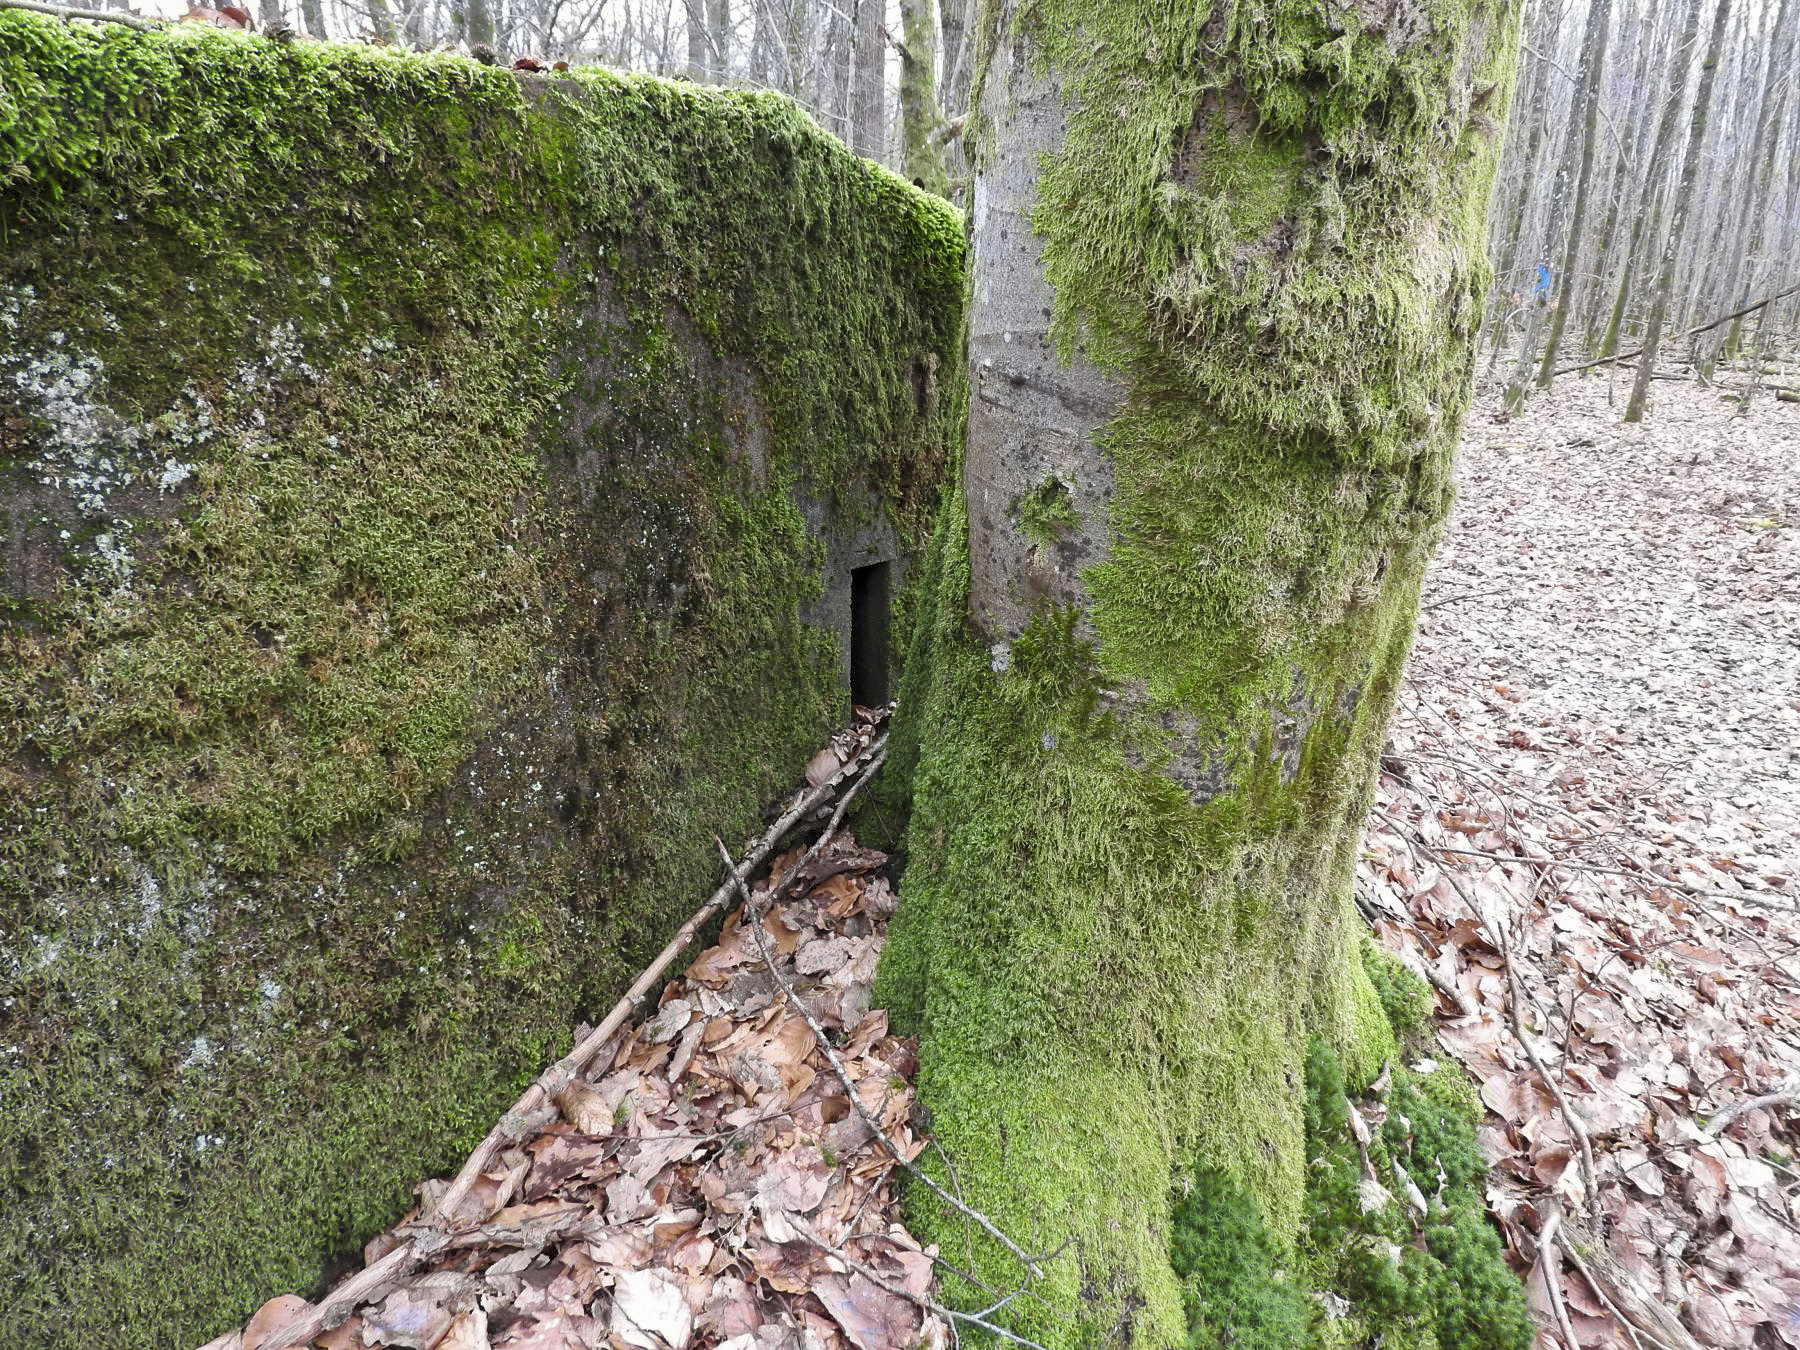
{"x": 1127, "y": 907}
{"x": 414, "y": 476}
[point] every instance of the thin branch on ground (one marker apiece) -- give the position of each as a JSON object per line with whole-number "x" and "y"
{"x": 535, "y": 1108}
{"x": 1676, "y": 337}
{"x": 917, "y": 1300}
{"x": 1550, "y": 1262}
{"x": 1528, "y": 1043}
{"x": 753, "y": 921}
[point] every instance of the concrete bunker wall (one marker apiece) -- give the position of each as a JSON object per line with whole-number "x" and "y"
{"x": 430, "y": 499}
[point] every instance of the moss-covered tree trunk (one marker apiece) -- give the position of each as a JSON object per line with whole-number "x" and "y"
{"x": 921, "y": 155}
{"x": 1227, "y": 275}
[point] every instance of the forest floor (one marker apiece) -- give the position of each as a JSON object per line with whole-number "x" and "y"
{"x": 1601, "y": 717}
{"x": 1586, "y": 836}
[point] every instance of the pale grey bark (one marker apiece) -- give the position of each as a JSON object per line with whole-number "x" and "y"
{"x": 1593, "y": 77}
{"x": 1031, "y": 418}
{"x": 1682, "y": 205}
{"x": 868, "y": 112}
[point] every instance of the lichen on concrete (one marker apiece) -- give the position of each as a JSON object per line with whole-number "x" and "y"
{"x": 417, "y": 482}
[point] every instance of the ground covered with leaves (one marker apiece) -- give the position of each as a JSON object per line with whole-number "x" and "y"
{"x": 705, "y": 1182}
{"x": 1587, "y": 836}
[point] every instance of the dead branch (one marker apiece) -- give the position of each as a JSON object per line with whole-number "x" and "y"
{"x": 1676, "y": 337}
{"x": 1516, "y": 1018}
{"x": 1787, "y": 1096}
{"x": 1550, "y": 1262}
{"x": 533, "y": 1109}
{"x": 1458, "y": 599}
{"x": 753, "y": 921}
{"x": 1637, "y": 1310}
{"x": 118, "y": 16}
{"x": 1646, "y": 878}
{"x": 924, "y": 1304}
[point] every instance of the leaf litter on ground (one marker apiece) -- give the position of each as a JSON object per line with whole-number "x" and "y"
{"x": 1607, "y": 677}
{"x": 703, "y": 1181}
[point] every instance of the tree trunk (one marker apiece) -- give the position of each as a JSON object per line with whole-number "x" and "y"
{"x": 1212, "y": 413}
{"x": 761, "y": 42}
{"x": 696, "y": 40}
{"x": 382, "y": 20}
{"x": 1593, "y": 78}
{"x": 479, "y": 16}
{"x": 313, "y": 12}
{"x": 921, "y": 155}
{"x": 1784, "y": 52}
{"x": 834, "y": 75}
{"x": 1645, "y": 229}
{"x": 869, "y": 93}
{"x": 718, "y": 43}
{"x": 1627, "y": 169}
{"x": 1684, "y": 192}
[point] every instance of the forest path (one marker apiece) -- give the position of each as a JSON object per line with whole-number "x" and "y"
{"x": 1608, "y": 674}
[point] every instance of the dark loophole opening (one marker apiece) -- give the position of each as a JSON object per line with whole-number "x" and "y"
{"x": 869, "y": 635}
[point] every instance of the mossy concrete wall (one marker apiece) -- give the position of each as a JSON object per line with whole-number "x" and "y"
{"x": 426, "y": 495}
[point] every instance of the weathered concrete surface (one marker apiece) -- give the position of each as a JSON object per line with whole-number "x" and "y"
{"x": 428, "y": 502}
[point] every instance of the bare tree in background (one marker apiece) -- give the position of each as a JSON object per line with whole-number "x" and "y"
{"x": 1665, "y": 281}
{"x": 867, "y": 113}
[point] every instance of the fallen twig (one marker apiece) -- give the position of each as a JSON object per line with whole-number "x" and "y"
{"x": 1576, "y": 1125}
{"x": 1717, "y": 1125}
{"x": 753, "y": 920}
{"x": 1676, "y": 337}
{"x": 1550, "y": 1263}
{"x": 118, "y": 16}
{"x": 430, "y": 1233}
{"x": 918, "y": 1301}
{"x": 1637, "y": 1311}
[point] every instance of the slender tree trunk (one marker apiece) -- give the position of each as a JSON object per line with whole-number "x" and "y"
{"x": 1646, "y": 227}
{"x": 313, "y": 12}
{"x": 1164, "y": 619}
{"x": 382, "y": 20}
{"x": 1534, "y": 112}
{"x": 761, "y": 41}
{"x": 1783, "y": 57}
{"x": 868, "y": 112}
{"x": 1593, "y": 77}
{"x": 696, "y": 40}
{"x": 1626, "y": 171}
{"x": 1683, "y": 201}
{"x": 1539, "y": 305}
{"x": 921, "y": 154}
{"x": 836, "y": 65}
{"x": 718, "y": 44}
{"x": 478, "y": 15}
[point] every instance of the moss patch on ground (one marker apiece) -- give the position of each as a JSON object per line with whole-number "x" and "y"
{"x": 1370, "y": 1267}
{"x": 413, "y": 478}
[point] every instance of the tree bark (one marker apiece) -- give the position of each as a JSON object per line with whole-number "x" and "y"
{"x": 696, "y": 40}
{"x": 1220, "y": 342}
{"x": 718, "y": 40}
{"x": 869, "y": 93}
{"x": 313, "y": 12}
{"x": 1593, "y": 78}
{"x": 1684, "y": 192}
{"x": 1782, "y": 59}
